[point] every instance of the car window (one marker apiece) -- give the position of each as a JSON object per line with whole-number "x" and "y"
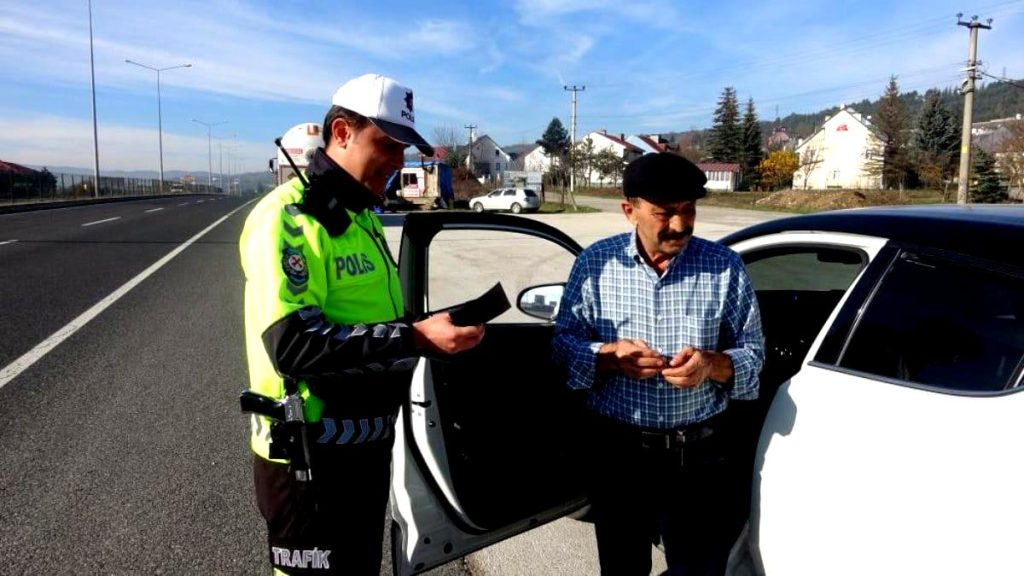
{"x": 494, "y": 194}
{"x": 518, "y": 261}
{"x": 944, "y": 323}
{"x": 797, "y": 289}
{"x": 510, "y": 192}
{"x": 530, "y": 193}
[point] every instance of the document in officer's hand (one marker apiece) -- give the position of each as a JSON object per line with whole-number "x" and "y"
{"x": 481, "y": 310}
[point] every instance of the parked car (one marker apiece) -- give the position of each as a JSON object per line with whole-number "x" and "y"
{"x": 884, "y": 441}
{"x": 514, "y": 200}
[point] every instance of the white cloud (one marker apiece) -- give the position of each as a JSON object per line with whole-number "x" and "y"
{"x": 60, "y": 141}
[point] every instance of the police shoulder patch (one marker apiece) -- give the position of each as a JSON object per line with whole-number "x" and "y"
{"x": 293, "y": 262}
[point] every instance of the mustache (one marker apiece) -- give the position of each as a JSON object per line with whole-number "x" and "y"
{"x": 686, "y": 233}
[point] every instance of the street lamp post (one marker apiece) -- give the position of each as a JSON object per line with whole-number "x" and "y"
{"x": 159, "y": 111}
{"x": 95, "y": 133}
{"x": 209, "y": 150}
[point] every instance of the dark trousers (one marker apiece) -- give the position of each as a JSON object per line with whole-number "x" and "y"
{"x": 341, "y": 512}
{"x": 685, "y": 492}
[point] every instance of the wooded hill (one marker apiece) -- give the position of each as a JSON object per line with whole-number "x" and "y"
{"x": 992, "y": 100}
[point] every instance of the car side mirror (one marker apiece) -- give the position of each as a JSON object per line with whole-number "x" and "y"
{"x": 541, "y": 301}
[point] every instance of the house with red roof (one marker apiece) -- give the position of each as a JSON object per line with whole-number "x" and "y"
{"x": 722, "y": 176}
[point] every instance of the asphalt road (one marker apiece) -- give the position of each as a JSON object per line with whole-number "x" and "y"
{"x": 122, "y": 450}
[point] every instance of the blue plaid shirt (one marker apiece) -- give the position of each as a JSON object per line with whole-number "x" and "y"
{"x": 704, "y": 299}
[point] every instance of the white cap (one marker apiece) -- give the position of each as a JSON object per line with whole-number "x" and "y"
{"x": 387, "y": 104}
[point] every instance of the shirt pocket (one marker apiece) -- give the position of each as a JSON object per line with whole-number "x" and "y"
{"x": 699, "y": 332}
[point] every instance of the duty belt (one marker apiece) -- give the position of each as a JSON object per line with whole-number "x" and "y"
{"x": 352, "y": 430}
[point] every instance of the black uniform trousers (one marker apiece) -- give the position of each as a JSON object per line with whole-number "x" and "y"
{"x": 678, "y": 484}
{"x": 340, "y": 513}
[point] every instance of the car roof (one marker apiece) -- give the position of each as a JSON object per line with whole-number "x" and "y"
{"x": 992, "y": 231}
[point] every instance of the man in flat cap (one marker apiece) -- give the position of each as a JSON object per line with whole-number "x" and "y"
{"x": 324, "y": 320}
{"x": 662, "y": 329}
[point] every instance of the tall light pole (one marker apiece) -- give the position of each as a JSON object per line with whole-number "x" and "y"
{"x": 209, "y": 150}
{"x": 159, "y": 111}
{"x": 95, "y": 134}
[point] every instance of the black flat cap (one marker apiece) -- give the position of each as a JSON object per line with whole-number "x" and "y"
{"x": 663, "y": 177}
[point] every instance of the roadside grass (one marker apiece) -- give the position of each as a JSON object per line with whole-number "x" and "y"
{"x": 559, "y": 208}
{"x": 803, "y": 201}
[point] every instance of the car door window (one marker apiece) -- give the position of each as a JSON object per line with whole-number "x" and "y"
{"x": 518, "y": 261}
{"x": 942, "y": 322}
{"x": 510, "y": 192}
{"x": 797, "y": 288}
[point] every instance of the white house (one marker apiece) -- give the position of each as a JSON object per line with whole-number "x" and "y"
{"x": 650, "y": 143}
{"x": 604, "y": 141}
{"x": 840, "y": 154}
{"x": 722, "y": 177}
{"x": 489, "y": 160}
{"x": 537, "y": 160}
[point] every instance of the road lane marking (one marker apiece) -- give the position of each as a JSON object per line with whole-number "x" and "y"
{"x": 7, "y": 242}
{"x": 154, "y": 210}
{"x": 183, "y": 204}
{"x": 12, "y": 370}
{"x": 101, "y": 221}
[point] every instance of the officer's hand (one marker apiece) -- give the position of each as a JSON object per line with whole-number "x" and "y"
{"x": 439, "y": 334}
{"x": 689, "y": 368}
{"x": 634, "y": 358}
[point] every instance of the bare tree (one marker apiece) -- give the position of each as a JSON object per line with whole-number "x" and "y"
{"x": 809, "y": 160}
{"x": 449, "y": 138}
{"x": 1010, "y": 157}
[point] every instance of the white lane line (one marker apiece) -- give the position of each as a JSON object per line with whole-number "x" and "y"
{"x": 11, "y": 371}
{"x": 102, "y": 221}
{"x": 154, "y": 210}
{"x": 8, "y": 242}
{"x": 183, "y": 204}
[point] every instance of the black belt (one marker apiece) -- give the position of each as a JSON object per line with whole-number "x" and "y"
{"x": 676, "y": 437}
{"x": 669, "y": 438}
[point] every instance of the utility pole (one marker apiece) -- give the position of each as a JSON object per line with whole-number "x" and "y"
{"x": 967, "y": 89}
{"x": 469, "y": 149}
{"x": 572, "y": 149}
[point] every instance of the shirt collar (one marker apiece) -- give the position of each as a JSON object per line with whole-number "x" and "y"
{"x": 332, "y": 181}
{"x": 634, "y": 253}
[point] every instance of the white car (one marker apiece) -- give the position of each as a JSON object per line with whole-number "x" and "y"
{"x": 514, "y": 200}
{"x": 891, "y": 396}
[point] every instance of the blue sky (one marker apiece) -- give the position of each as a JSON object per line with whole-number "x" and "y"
{"x": 649, "y": 66}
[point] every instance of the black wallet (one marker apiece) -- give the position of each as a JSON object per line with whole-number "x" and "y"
{"x": 487, "y": 307}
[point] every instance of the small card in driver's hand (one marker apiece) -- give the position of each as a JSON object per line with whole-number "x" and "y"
{"x": 487, "y": 307}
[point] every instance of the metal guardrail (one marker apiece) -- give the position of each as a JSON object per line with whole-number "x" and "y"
{"x": 57, "y": 187}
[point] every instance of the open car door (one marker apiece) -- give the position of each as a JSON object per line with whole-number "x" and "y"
{"x": 487, "y": 445}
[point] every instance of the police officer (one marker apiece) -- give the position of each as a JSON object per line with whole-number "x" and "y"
{"x": 323, "y": 308}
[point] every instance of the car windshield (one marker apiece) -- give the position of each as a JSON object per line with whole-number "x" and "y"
{"x": 530, "y": 193}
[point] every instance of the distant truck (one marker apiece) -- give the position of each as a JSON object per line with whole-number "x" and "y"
{"x": 422, "y": 184}
{"x": 301, "y": 142}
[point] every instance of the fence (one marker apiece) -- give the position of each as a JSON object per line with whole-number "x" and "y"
{"x": 50, "y": 187}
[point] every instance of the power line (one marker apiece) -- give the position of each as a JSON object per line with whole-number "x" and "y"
{"x": 1004, "y": 80}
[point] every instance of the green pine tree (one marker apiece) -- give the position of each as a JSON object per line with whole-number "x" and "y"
{"x": 555, "y": 140}
{"x": 891, "y": 122}
{"x": 938, "y": 142}
{"x": 555, "y": 143}
{"x": 752, "y": 151}
{"x": 725, "y": 143}
{"x": 987, "y": 188}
